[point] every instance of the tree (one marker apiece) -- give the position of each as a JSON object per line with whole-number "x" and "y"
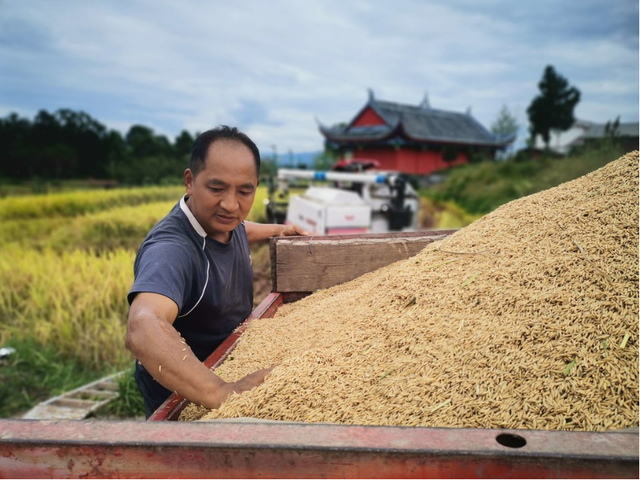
{"x": 324, "y": 160}
{"x": 71, "y": 144}
{"x": 184, "y": 144}
{"x": 504, "y": 128}
{"x": 553, "y": 108}
{"x": 86, "y": 136}
{"x": 66, "y": 144}
{"x": 505, "y": 125}
{"x": 116, "y": 152}
{"x": 16, "y": 138}
{"x": 141, "y": 141}
{"x": 57, "y": 160}
{"x": 612, "y": 129}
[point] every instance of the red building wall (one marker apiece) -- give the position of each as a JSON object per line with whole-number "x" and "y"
{"x": 410, "y": 161}
{"x": 367, "y": 118}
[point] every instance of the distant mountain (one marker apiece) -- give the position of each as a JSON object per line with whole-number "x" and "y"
{"x": 294, "y": 160}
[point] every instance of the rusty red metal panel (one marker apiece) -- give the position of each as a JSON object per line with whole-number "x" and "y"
{"x": 105, "y": 449}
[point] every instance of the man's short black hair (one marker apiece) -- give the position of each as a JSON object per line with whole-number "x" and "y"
{"x": 222, "y": 132}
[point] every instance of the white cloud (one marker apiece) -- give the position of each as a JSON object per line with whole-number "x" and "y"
{"x": 274, "y": 66}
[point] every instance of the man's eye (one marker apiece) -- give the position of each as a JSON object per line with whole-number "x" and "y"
{"x": 245, "y": 193}
{"x": 216, "y": 190}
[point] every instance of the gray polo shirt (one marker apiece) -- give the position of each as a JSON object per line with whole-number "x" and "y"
{"x": 210, "y": 282}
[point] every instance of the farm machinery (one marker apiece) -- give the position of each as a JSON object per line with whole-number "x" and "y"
{"x": 344, "y": 202}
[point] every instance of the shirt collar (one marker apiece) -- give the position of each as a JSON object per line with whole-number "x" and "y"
{"x": 192, "y": 220}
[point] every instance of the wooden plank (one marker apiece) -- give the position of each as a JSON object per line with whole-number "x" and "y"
{"x": 51, "y": 410}
{"x": 74, "y": 403}
{"x": 108, "y": 385}
{"x": 77, "y": 403}
{"x": 93, "y": 394}
{"x": 307, "y": 264}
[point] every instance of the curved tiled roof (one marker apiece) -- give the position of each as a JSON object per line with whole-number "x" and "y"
{"x": 417, "y": 123}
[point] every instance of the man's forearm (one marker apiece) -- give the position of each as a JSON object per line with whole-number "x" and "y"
{"x": 171, "y": 362}
{"x": 259, "y": 232}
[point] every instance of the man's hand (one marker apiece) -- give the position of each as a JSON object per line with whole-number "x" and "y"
{"x": 158, "y": 346}
{"x": 260, "y": 232}
{"x": 292, "y": 230}
{"x": 250, "y": 381}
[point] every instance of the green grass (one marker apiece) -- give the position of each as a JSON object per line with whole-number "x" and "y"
{"x": 129, "y": 404}
{"x": 481, "y": 188}
{"x": 37, "y": 372}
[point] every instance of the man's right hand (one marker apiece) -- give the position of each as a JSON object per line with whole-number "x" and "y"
{"x": 250, "y": 381}
{"x": 160, "y": 348}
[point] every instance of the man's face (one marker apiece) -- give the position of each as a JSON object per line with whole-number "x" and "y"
{"x": 221, "y": 195}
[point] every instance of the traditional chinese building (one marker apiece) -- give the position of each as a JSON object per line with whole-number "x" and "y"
{"x": 416, "y": 140}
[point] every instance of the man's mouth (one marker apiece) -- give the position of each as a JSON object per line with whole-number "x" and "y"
{"x": 225, "y": 218}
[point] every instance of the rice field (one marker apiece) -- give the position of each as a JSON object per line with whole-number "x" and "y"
{"x": 66, "y": 266}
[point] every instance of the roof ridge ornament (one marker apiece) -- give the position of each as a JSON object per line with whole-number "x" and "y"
{"x": 425, "y": 101}
{"x": 372, "y": 97}
{"x": 469, "y": 110}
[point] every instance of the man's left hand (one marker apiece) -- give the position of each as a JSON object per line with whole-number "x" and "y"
{"x": 260, "y": 232}
{"x": 292, "y": 231}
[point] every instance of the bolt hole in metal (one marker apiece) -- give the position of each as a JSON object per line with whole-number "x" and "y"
{"x": 511, "y": 440}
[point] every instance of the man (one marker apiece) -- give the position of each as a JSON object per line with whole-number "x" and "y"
{"x": 193, "y": 277}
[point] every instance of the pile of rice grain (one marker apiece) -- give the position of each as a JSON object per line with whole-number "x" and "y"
{"x": 528, "y": 318}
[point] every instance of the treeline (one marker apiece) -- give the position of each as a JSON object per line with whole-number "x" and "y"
{"x": 67, "y": 145}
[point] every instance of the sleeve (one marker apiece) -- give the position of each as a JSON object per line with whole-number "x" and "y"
{"x": 166, "y": 269}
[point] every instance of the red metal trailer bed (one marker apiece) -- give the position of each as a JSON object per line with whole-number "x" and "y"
{"x": 250, "y": 448}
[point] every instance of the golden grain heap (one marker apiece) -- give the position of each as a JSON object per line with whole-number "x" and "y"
{"x": 527, "y": 318}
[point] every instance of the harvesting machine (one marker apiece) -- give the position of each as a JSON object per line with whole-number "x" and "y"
{"x": 353, "y": 203}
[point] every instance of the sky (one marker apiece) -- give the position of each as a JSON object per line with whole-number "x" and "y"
{"x": 278, "y": 68}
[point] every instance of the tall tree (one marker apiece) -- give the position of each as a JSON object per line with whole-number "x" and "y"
{"x": 141, "y": 141}
{"x": 16, "y": 138}
{"x": 505, "y": 125}
{"x": 184, "y": 144}
{"x": 86, "y": 136}
{"x": 612, "y": 129}
{"x": 553, "y": 108}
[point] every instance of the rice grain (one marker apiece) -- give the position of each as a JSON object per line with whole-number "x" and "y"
{"x": 527, "y": 318}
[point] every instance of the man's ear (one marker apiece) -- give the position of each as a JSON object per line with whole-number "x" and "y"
{"x": 188, "y": 180}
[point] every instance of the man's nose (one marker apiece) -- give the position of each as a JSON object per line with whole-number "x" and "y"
{"x": 229, "y": 202}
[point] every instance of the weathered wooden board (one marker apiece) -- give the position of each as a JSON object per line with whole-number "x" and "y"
{"x": 78, "y": 403}
{"x": 307, "y": 264}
